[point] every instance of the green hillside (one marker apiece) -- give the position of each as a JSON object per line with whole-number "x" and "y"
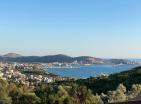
{"x": 105, "y": 84}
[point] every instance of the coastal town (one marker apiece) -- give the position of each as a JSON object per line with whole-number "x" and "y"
{"x": 35, "y": 73}
{"x": 32, "y": 75}
{"x": 28, "y": 74}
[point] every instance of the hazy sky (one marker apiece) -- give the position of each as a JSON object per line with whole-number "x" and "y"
{"x": 100, "y": 28}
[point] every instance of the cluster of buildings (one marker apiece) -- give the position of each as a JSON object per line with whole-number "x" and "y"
{"x": 10, "y": 73}
{"x": 34, "y": 74}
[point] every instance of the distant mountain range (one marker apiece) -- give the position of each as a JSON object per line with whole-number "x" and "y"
{"x": 14, "y": 57}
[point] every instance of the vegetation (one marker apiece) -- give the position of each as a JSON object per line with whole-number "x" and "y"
{"x": 115, "y": 88}
{"x": 73, "y": 94}
{"x": 11, "y": 93}
{"x": 121, "y": 94}
{"x": 104, "y": 84}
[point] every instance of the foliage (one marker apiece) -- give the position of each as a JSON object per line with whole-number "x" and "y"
{"x": 135, "y": 91}
{"x": 119, "y": 95}
{"x": 62, "y": 94}
{"x": 4, "y": 98}
{"x": 11, "y": 93}
{"x": 85, "y": 91}
{"x": 128, "y": 78}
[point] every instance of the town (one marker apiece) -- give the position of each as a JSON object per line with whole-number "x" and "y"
{"x": 28, "y": 74}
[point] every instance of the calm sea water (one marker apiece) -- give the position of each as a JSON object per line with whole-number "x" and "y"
{"x": 88, "y": 71}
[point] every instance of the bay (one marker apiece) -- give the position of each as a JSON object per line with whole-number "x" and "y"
{"x": 89, "y": 71}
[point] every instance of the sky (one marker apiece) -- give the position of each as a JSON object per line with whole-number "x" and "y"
{"x": 99, "y": 28}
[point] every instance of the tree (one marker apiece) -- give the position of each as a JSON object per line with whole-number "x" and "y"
{"x": 43, "y": 92}
{"x": 4, "y": 98}
{"x": 67, "y": 94}
{"x": 22, "y": 95}
{"x": 29, "y": 98}
{"x": 119, "y": 95}
{"x": 60, "y": 96}
{"x": 135, "y": 91}
{"x": 15, "y": 93}
{"x": 82, "y": 95}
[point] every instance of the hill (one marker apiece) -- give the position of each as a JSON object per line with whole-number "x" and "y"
{"x": 105, "y": 84}
{"x": 13, "y": 57}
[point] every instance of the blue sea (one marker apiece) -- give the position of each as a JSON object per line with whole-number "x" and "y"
{"x": 89, "y": 71}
